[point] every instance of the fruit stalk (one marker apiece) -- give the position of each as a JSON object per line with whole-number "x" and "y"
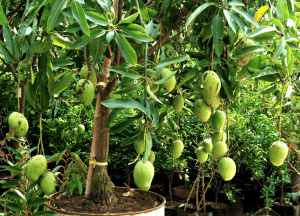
{"x": 279, "y": 128}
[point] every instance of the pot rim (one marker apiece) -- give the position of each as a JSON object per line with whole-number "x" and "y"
{"x": 162, "y": 199}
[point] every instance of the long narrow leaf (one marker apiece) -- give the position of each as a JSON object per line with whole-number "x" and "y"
{"x": 79, "y": 16}
{"x": 126, "y": 49}
{"x": 54, "y": 14}
{"x": 171, "y": 60}
{"x": 197, "y": 12}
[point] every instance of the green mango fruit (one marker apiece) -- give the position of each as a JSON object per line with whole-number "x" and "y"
{"x": 88, "y": 73}
{"x": 207, "y": 144}
{"x": 278, "y": 151}
{"x": 18, "y": 124}
{"x": 47, "y": 183}
{"x": 212, "y": 101}
{"x": 143, "y": 175}
{"x": 81, "y": 128}
{"x": 139, "y": 146}
{"x": 244, "y": 59}
{"x": 169, "y": 85}
{"x": 227, "y": 168}
{"x": 76, "y": 131}
{"x": 85, "y": 91}
{"x": 151, "y": 157}
{"x": 201, "y": 110}
{"x": 218, "y": 120}
{"x": 219, "y": 150}
{"x": 176, "y": 149}
{"x": 35, "y": 167}
{"x": 178, "y": 103}
{"x": 201, "y": 154}
{"x": 153, "y": 87}
{"x": 211, "y": 83}
{"x": 218, "y": 136}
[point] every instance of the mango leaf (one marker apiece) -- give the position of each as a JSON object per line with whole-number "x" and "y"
{"x": 128, "y": 89}
{"x": 259, "y": 13}
{"x": 235, "y": 3}
{"x": 105, "y": 4}
{"x": 130, "y": 19}
{"x": 4, "y": 51}
{"x": 79, "y": 16}
{"x": 217, "y": 28}
{"x": 228, "y": 90}
{"x": 13, "y": 207}
{"x": 54, "y": 14}
{"x": 13, "y": 195}
{"x": 97, "y": 49}
{"x": 197, "y": 12}
{"x": 85, "y": 39}
{"x": 282, "y": 10}
{"x": 263, "y": 72}
{"x": 190, "y": 75}
{"x": 148, "y": 147}
{"x": 9, "y": 41}
{"x": 246, "y": 16}
{"x": 169, "y": 61}
{"x": 59, "y": 63}
{"x": 279, "y": 49}
{"x": 230, "y": 20}
{"x": 61, "y": 41}
{"x": 3, "y": 20}
{"x": 126, "y": 49}
{"x": 10, "y": 184}
{"x": 143, "y": 10}
{"x": 64, "y": 82}
{"x": 131, "y": 27}
{"x": 121, "y": 126}
{"x": 44, "y": 46}
{"x": 153, "y": 95}
{"x": 152, "y": 112}
{"x": 126, "y": 72}
{"x": 276, "y": 103}
{"x": 112, "y": 116}
{"x": 60, "y": 156}
{"x": 124, "y": 103}
{"x": 261, "y": 31}
{"x": 270, "y": 89}
{"x": 39, "y": 201}
{"x": 132, "y": 139}
{"x": 13, "y": 169}
{"x": 161, "y": 81}
{"x": 96, "y": 18}
{"x": 77, "y": 183}
{"x": 75, "y": 27}
{"x": 248, "y": 49}
{"x": 137, "y": 35}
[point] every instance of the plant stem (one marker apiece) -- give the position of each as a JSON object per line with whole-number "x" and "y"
{"x": 227, "y": 113}
{"x": 282, "y": 91}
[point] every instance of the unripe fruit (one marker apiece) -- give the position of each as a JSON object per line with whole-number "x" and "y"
{"x": 218, "y": 136}
{"x": 178, "y": 103}
{"x": 212, "y": 101}
{"x": 151, "y": 157}
{"x": 139, "y": 146}
{"x": 211, "y": 83}
{"x": 35, "y": 167}
{"x": 219, "y": 150}
{"x": 75, "y": 131}
{"x": 85, "y": 91}
{"x": 18, "y": 124}
{"x": 201, "y": 154}
{"x": 143, "y": 175}
{"x": 218, "y": 120}
{"x": 227, "y": 168}
{"x": 169, "y": 85}
{"x": 278, "y": 151}
{"x": 153, "y": 87}
{"x": 47, "y": 183}
{"x": 88, "y": 73}
{"x": 207, "y": 145}
{"x": 244, "y": 59}
{"x": 201, "y": 110}
{"x": 81, "y": 128}
{"x": 176, "y": 149}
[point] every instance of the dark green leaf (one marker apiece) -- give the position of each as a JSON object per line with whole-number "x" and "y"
{"x": 246, "y": 16}
{"x": 161, "y": 81}
{"x": 79, "y": 16}
{"x": 270, "y": 89}
{"x": 4, "y": 51}
{"x": 85, "y": 39}
{"x": 13, "y": 169}
{"x": 124, "y": 103}
{"x": 132, "y": 139}
{"x": 58, "y": 40}
{"x": 148, "y": 147}
{"x": 13, "y": 207}
{"x": 130, "y": 19}
{"x": 44, "y": 46}
{"x": 3, "y": 20}
{"x": 96, "y": 18}
{"x": 61, "y": 62}
{"x": 112, "y": 116}
{"x": 217, "y": 27}
{"x": 230, "y": 20}
{"x": 137, "y": 35}
{"x": 105, "y": 4}
{"x": 59, "y": 156}
{"x": 153, "y": 95}
{"x": 143, "y": 10}
{"x": 39, "y": 201}
{"x": 77, "y": 183}
{"x": 10, "y": 184}
{"x": 126, "y": 72}
{"x": 121, "y": 126}
{"x": 261, "y": 31}
{"x": 54, "y": 14}
{"x": 197, "y": 12}
{"x": 128, "y": 89}
{"x": 169, "y": 61}
{"x": 279, "y": 49}
{"x": 131, "y": 27}
{"x": 64, "y": 82}
{"x": 261, "y": 73}
{"x": 126, "y": 49}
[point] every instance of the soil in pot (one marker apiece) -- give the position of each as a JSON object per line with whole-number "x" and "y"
{"x": 128, "y": 201}
{"x": 286, "y": 210}
{"x": 179, "y": 211}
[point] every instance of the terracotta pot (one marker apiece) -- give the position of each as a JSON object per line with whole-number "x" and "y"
{"x": 156, "y": 211}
